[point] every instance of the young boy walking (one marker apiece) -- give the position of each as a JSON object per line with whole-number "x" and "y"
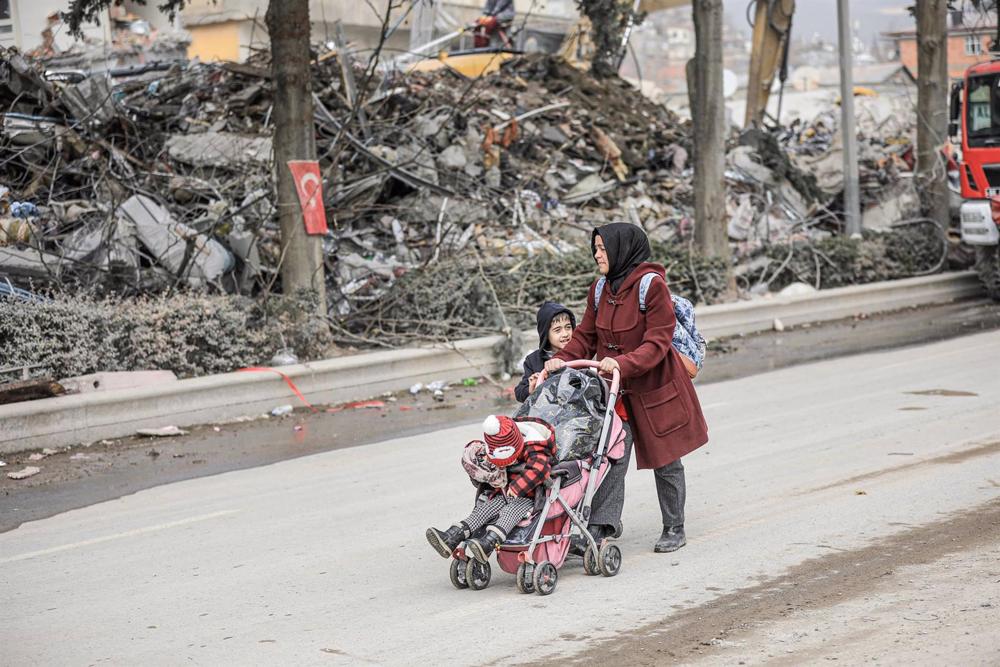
{"x": 555, "y": 328}
{"x": 525, "y": 447}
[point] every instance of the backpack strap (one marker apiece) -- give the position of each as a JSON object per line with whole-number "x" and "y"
{"x": 598, "y": 290}
{"x": 644, "y": 284}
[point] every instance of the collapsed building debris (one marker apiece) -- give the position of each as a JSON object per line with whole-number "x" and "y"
{"x": 142, "y": 180}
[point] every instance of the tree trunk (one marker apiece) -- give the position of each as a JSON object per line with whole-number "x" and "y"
{"x": 932, "y": 106}
{"x": 294, "y": 139}
{"x": 708, "y": 116}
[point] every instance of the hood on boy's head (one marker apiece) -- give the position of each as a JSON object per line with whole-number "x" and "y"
{"x": 546, "y": 314}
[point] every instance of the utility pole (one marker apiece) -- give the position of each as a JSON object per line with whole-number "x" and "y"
{"x": 852, "y": 198}
{"x": 708, "y": 116}
{"x": 932, "y": 106}
{"x": 294, "y": 139}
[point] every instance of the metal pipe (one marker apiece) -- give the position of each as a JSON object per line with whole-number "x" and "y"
{"x": 852, "y": 199}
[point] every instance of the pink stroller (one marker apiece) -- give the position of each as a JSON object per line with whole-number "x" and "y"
{"x": 536, "y": 549}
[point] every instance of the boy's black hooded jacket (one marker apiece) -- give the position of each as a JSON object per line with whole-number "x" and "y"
{"x": 535, "y": 362}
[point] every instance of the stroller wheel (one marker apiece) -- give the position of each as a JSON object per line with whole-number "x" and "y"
{"x": 591, "y": 564}
{"x": 610, "y": 557}
{"x": 545, "y": 577}
{"x": 477, "y": 575}
{"x": 525, "y": 580}
{"x": 457, "y": 572}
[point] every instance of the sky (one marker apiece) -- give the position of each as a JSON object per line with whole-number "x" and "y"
{"x": 820, "y": 16}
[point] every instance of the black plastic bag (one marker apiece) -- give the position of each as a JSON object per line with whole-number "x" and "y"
{"x": 572, "y": 402}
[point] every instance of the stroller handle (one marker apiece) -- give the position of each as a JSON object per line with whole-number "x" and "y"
{"x": 586, "y": 363}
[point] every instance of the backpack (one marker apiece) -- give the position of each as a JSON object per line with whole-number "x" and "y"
{"x": 687, "y": 339}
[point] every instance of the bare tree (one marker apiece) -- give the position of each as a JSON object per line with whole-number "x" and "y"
{"x": 708, "y": 116}
{"x": 932, "y": 101}
{"x": 294, "y": 134}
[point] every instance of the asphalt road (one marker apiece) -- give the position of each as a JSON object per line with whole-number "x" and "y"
{"x": 322, "y": 559}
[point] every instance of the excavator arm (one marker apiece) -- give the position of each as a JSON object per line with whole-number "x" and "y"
{"x": 771, "y": 28}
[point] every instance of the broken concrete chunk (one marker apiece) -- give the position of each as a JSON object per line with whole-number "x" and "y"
{"x": 28, "y": 471}
{"x": 453, "y": 157}
{"x": 107, "y": 381}
{"x": 168, "y": 240}
{"x": 220, "y": 149}
{"x": 162, "y": 432}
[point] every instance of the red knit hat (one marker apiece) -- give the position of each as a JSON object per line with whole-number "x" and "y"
{"x": 504, "y": 441}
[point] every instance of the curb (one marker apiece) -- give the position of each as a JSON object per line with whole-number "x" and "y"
{"x": 70, "y": 420}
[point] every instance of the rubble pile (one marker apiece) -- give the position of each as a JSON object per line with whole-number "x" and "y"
{"x": 457, "y": 205}
{"x": 164, "y": 177}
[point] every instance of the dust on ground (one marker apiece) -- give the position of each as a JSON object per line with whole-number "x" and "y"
{"x": 927, "y": 595}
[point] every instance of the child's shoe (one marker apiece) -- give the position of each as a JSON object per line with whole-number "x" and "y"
{"x": 482, "y": 547}
{"x": 446, "y": 542}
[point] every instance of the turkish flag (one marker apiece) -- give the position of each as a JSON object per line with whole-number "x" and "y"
{"x": 309, "y": 185}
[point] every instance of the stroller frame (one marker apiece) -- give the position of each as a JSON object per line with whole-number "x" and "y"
{"x": 599, "y": 558}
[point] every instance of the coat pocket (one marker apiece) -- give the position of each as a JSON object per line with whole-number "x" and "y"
{"x": 665, "y": 409}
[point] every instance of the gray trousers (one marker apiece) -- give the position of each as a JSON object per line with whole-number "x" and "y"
{"x": 609, "y": 500}
{"x": 501, "y": 511}
{"x": 671, "y": 491}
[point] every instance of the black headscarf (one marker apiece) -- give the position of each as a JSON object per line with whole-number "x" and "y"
{"x": 627, "y": 247}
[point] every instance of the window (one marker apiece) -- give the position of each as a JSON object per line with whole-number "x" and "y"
{"x": 983, "y": 110}
{"x": 973, "y": 45}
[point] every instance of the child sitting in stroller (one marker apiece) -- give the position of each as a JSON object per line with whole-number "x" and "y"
{"x": 514, "y": 457}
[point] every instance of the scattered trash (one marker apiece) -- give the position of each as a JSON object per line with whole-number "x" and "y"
{"x": 417, "y": 388}
{"x": 797, "y": 289}
{"x": 36, "y": 457}
{"x": 438, "y": 395}
{"x": 281, "y": 410}
{"x": 297, "y": 427}
{"x": 80, "y": 456}
{"x": 216, "y": 429}
{"x": 2, "y": 464}
{"x": 284, "y": 357}
{"x": 860, "y": 493}
{"x": 470, "y": 382}
{"x": 162, "y": 432}
{"x": 27, "y": 472}
{"x": 357, "y": 405}
{"x": 436, "y": 386}
{"x": 778, "y": 325}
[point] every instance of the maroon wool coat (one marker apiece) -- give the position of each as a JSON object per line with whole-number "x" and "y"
{"x": 663, "y": 408}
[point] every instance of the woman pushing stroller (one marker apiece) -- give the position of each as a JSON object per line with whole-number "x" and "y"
{"x": 514, "y": 457}
{"x": 632, "y": 332}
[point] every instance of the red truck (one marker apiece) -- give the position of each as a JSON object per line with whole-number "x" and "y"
{"x": 975, "y": 110}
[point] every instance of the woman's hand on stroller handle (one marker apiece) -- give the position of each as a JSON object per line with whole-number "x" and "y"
{"x": 607, "y": 365}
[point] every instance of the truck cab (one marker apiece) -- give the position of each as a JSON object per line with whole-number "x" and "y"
{"x": 975, "y": 108}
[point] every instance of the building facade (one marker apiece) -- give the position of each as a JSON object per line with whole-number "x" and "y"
{"x": 968, "y": 44}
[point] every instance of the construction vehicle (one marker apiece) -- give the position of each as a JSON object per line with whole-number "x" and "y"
{"x": 772, "y": 27}
{"x": 975, "y": 116}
